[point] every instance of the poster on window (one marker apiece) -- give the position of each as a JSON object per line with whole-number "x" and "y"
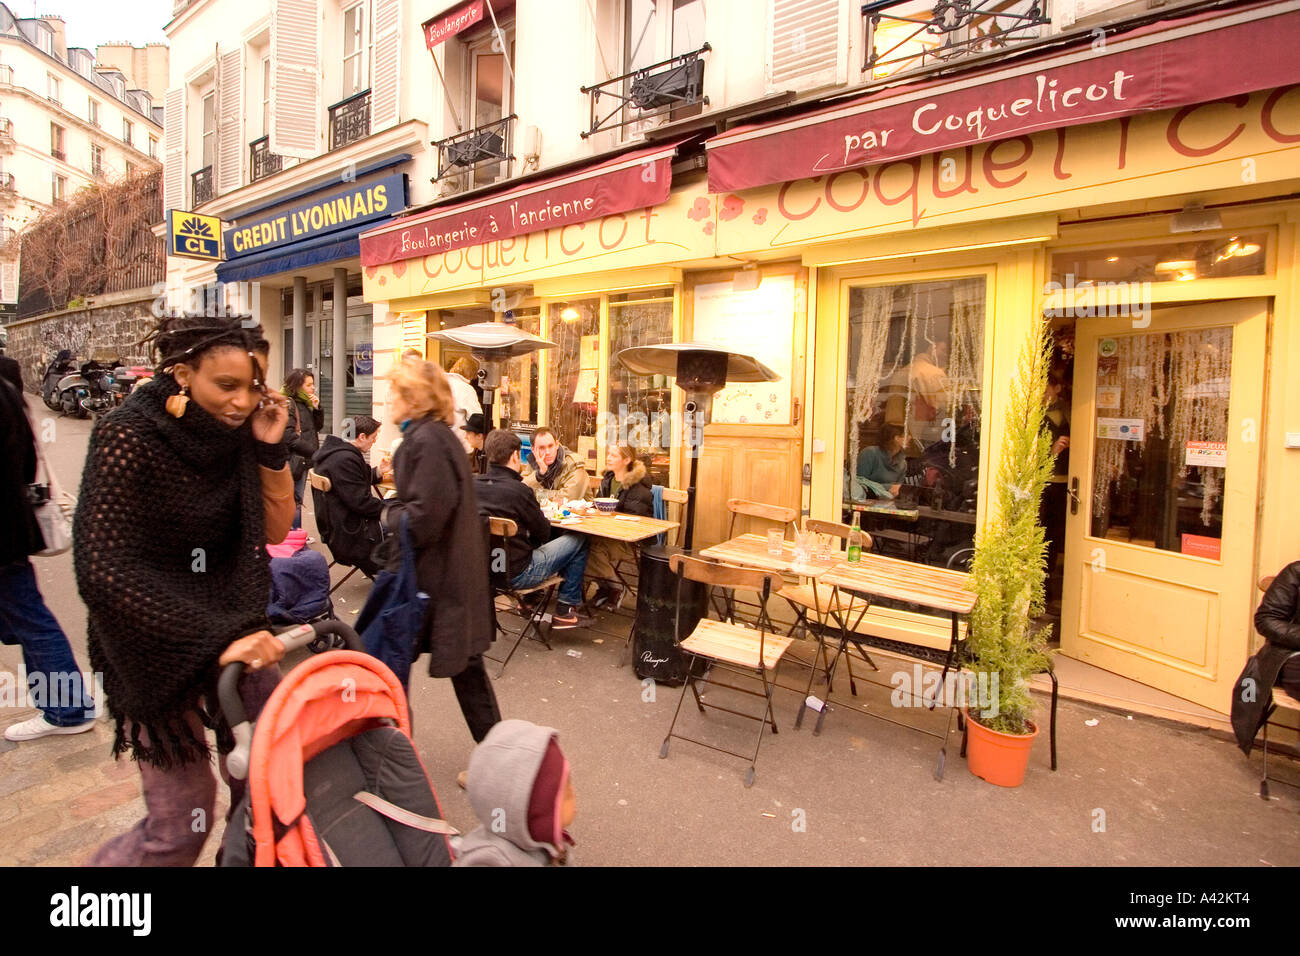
{"x": 1206, "y": 454}
{"x": 1123, "y": 429}
{"x": 758, "y": 323}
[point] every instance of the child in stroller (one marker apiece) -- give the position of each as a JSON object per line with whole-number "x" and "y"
{"x": 300, "y": 585}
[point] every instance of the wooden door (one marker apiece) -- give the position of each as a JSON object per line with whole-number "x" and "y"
{"x": 754, "y": 448}
{"x": 1165, "y": 461}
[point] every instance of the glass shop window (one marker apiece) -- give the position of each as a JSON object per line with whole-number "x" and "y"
{"x": 640, "y": 406}
{"x": 521, "y": 377}
{"x": 913, "y": 404}
{"x": 574, "y": 379}
{"x": 1185, "y": 260}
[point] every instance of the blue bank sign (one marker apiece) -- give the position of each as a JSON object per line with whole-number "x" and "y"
{"x": 356, "y": 204}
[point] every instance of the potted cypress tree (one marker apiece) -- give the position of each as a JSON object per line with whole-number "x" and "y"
{"x": 1007, "y": 575}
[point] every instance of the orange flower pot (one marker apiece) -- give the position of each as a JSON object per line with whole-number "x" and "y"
{"x": 997, "y": 757}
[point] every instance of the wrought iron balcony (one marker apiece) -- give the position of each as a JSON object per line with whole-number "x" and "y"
{"x": 59, "y": 155}
{"x": 7, "y": 182}
{"x": 203, "y": 187}
{"x": 350, "y": 120}
{"x": 261, "y": 161}
{"x": 648, "y": 92}
{"x": 481, "y": 146}
{"x": 907, "y": 35}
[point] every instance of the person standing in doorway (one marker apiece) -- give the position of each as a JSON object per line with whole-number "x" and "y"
{"x": 435, "y": 494}
{"x": 302, "y": 435}
{"x": 1051, "y": 512}
{"x": 52, "y": 674}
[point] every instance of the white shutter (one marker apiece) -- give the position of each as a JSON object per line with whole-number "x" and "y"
{"x": 808, "y": 44}
{"x": 385, "y": 90}
{"x": 174, "y": 149}
{"x": 9, "y": 282}
{"x": 230, "y": 145}
{"x": 295, "y": 79}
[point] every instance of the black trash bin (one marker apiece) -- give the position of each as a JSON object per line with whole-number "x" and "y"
{"x": 654, "y": 651}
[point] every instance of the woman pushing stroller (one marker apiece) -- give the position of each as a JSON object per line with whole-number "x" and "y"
{"x": 185, "y": 484}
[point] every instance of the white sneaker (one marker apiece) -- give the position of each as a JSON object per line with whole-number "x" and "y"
{"x": 38, "y": 726}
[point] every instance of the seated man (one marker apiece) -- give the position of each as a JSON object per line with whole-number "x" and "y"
{"x": 553, "y": 467}
{"x": 531, "y": 557}
{"x": 350, "y": 510}
{"x": 1277, "y": 663}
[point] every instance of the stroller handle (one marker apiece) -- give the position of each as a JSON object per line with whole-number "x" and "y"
{"x": 232, "y": 705}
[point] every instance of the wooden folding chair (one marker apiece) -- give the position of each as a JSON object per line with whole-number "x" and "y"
{"x": 825, "y": 602}
{"x": 322, "y": 484}
{"x": 745, "y": 508}
{"x": 729, "y": 647}
{"x": 500, "y": 530}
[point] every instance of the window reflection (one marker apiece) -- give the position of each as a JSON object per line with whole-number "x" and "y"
{"x": 916, "y": 357}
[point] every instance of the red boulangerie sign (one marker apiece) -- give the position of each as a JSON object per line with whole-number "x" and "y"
{"x": 627, "y": 182}
{"x": 449, "y": 24}
{"x": 1198, "y": 60}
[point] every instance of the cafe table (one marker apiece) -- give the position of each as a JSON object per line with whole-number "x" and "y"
{"x": 937, "y": 589}
{"x": 629, "y": 529}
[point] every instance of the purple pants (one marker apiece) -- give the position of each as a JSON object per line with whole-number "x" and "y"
{"x": 179, "y": 802}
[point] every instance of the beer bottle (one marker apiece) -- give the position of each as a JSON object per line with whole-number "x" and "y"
{"x": 855, "y": 538}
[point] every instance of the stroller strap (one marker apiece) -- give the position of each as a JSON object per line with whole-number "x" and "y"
{"x": 403, "y": 816}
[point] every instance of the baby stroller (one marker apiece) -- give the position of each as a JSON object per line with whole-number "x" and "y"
{"x": 333, "y": 778}
{"x": 300, "y": 586}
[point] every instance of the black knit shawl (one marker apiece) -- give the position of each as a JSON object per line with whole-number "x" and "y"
{"x": 170, "y": 560}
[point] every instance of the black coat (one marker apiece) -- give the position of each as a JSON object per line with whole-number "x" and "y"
{"x": 350, "y": 510}
{"x": 20, "y": 535}
{"x": 302, "y": 434}
{"x": 1278, "y": 620}
{"x": 635, "y": 497}
{"x": 502, "y": 493}
{"x": 436, "y": 493}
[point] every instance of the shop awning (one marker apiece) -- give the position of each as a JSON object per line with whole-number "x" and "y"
{"x": 1171, "y": 64}
{"x": 621, "y": 184}
{"x": 343, "y": 244}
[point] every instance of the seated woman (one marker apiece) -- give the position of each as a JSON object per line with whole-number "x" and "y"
{"x": 624, "y": 479}
{"x": 881, "y": 467}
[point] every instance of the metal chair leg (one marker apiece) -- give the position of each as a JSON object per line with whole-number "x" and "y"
{"x": 663, "y": 750}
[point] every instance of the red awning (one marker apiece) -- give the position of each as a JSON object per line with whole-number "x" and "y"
{"x": 1164, "y": 66}
{"x": 630, "y": 181}
{"x": 449, "y": 24}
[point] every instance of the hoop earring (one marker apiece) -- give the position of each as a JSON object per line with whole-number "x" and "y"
{"x": 176, "y": 404}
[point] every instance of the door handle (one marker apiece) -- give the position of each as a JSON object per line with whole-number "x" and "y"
{"x": 1074, "y": 496}
{"x": 797, "y": 409}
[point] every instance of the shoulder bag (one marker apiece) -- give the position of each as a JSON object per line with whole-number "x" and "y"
{"x": 52, "y": 510}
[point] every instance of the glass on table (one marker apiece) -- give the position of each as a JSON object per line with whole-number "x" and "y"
{"x": 775, "y": 539}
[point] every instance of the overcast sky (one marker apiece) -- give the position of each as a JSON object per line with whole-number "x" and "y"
{"x": 91, "y": 22}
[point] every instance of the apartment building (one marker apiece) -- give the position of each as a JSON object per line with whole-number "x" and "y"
{"x": 145, "y": 67}
{"x": 64, "y": 123}
{"x": 876, "y": 199}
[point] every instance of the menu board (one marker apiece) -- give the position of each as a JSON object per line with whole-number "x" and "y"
{"x": 758, "y": 323}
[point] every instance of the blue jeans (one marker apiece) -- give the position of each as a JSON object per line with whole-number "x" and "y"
{"x": 53, "y": 679}
{"x": 299, "y": 489}
{"x": 566, "y": 555}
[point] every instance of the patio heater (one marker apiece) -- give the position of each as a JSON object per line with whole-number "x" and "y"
{"x": 701, "y": 370}
{"x": 492, "y": 344}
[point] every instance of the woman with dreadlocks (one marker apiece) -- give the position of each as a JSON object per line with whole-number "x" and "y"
{"x": 184, "y": 486}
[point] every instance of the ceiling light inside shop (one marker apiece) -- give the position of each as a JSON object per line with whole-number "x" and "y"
{"x": 1176, "y": 265}
{"x": 569, "y": 314}
{"x": 1186, "y": 276}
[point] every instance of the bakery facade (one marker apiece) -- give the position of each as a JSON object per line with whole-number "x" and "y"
{"x": 888, "y": 257}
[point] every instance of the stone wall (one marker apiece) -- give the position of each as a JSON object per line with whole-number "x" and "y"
{"x": 110, "y": 328}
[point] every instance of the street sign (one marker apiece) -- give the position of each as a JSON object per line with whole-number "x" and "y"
{"x": 193, "y": 235}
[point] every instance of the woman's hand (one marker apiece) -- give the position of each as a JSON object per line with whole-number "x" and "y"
{"x": 270, "y": 419}
{"x": 256, "y": 651}
{"x": 1060, "y": 445}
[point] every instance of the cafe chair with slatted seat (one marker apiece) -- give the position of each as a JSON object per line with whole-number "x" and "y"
{"x": 534, "y": 612}
{"x": 321, "y": 486}
{"x": 740, "y": 508}
{"x": 728, "y": 647}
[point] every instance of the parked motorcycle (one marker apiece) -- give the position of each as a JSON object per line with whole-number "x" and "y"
{"x": 54, "y": 372}
{"x": 86, "y": 391}
{"x": 127, "y": 378}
